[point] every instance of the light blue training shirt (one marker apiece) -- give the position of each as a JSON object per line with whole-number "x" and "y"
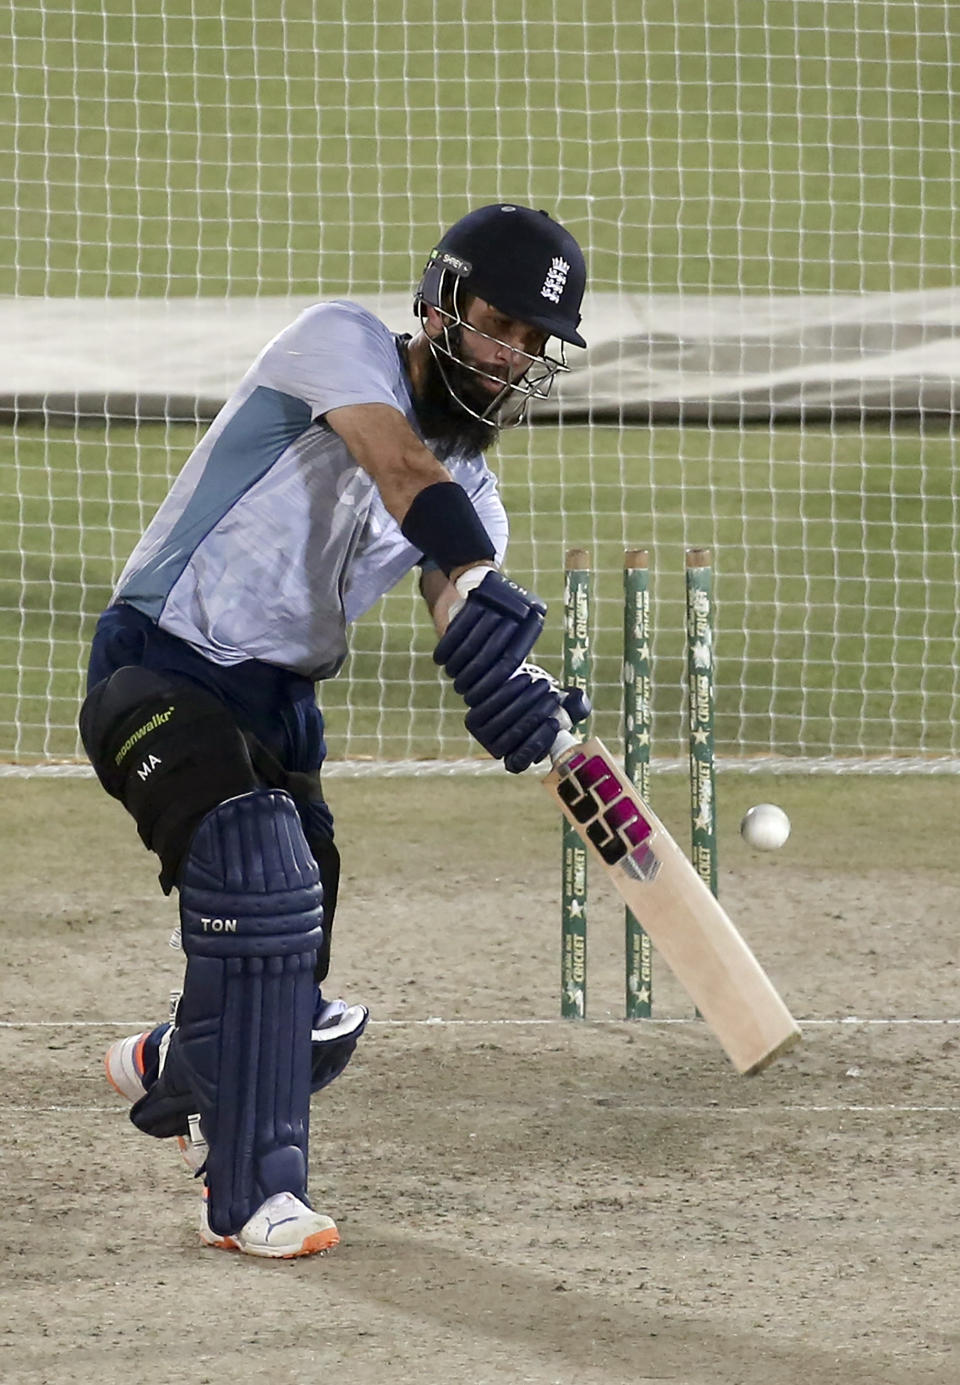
{"x": 272, "y": 539}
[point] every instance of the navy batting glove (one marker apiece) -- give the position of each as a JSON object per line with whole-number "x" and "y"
{"x": 489, "y": 637}
{"x": 520, "y": 721}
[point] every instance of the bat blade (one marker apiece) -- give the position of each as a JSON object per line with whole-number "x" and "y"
{"x": 686, "y": 924}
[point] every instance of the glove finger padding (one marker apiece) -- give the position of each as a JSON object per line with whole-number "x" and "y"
{"x": 522, "y": 743}
{"x": 490, "y": 637}
{"x": 519, "y": 722}
{"x": 535, "y": 748}
{"x": 484, "y": 677}
{"x": 458, "y": 636}
{"x": 505, "y": 720}
{"x": 482, "y": 638}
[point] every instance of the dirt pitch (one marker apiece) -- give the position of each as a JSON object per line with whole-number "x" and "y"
{"x": 520, "y": 1199}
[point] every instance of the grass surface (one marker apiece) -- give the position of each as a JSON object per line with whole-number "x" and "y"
{"x": 836, "y": 581}
{"x": 214, "y": 146}
{"x": 201, "y": 147}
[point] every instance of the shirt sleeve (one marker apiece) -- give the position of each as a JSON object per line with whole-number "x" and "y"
{"x": 334, "y": 354}
{"x": 481, "y": 486}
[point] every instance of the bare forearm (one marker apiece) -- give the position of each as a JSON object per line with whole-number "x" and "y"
{"x": 440, "y": 594}
{"x": 382, "y": 442}
{"x": 433, "y": 511}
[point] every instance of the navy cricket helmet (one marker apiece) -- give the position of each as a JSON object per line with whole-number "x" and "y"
{"x": 519, "y": 260}
{"x": 524, "y": 265}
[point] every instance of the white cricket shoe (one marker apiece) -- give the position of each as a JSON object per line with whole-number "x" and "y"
{"x": 126, "y": 1062}
{"x": 281, "y": 1229}
{"x": 124, "y": 1065}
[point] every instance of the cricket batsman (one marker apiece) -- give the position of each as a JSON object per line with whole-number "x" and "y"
{"x": 346, "y": 457}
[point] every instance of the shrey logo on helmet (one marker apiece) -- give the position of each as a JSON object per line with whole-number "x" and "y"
{"x": 528, "y": 267}
{"x": 453, "y": 262}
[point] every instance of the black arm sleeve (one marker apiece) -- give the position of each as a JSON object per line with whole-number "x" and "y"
{"x": 442, "y": 523}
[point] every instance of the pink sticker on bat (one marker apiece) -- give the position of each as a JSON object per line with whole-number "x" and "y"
{"x": 625, "y": 816}
{"x": 595, "y": 769}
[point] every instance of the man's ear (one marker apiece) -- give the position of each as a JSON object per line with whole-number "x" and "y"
{"x": 433, "y": 322}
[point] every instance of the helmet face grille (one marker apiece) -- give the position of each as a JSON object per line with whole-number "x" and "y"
{"x": 508, "y": 406}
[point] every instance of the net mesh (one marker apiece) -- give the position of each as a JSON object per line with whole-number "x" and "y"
{"x": 196, "y": 148}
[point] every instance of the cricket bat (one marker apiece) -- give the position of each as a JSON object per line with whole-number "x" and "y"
{"x": 686, "y": 924}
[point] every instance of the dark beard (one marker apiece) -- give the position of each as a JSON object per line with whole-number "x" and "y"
{"x": 446, "y": 425}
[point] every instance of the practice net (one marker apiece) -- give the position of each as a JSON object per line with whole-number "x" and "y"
{"x": 767, "y": 165}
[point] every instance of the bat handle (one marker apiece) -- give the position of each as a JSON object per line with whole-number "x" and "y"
{"x": 564, "y": 740}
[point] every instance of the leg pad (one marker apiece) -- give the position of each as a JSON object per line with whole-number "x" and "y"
{"x": 251, "y": 916}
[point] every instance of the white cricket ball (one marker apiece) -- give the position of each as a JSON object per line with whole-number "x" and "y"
{"x": 765, "y": 826}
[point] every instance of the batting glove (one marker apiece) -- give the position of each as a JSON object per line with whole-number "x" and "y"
{"x": 490, "y": 636}
{"x": 521, "y": 720}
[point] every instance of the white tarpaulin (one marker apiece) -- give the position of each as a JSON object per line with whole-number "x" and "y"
{"x": 663, "y": 356}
